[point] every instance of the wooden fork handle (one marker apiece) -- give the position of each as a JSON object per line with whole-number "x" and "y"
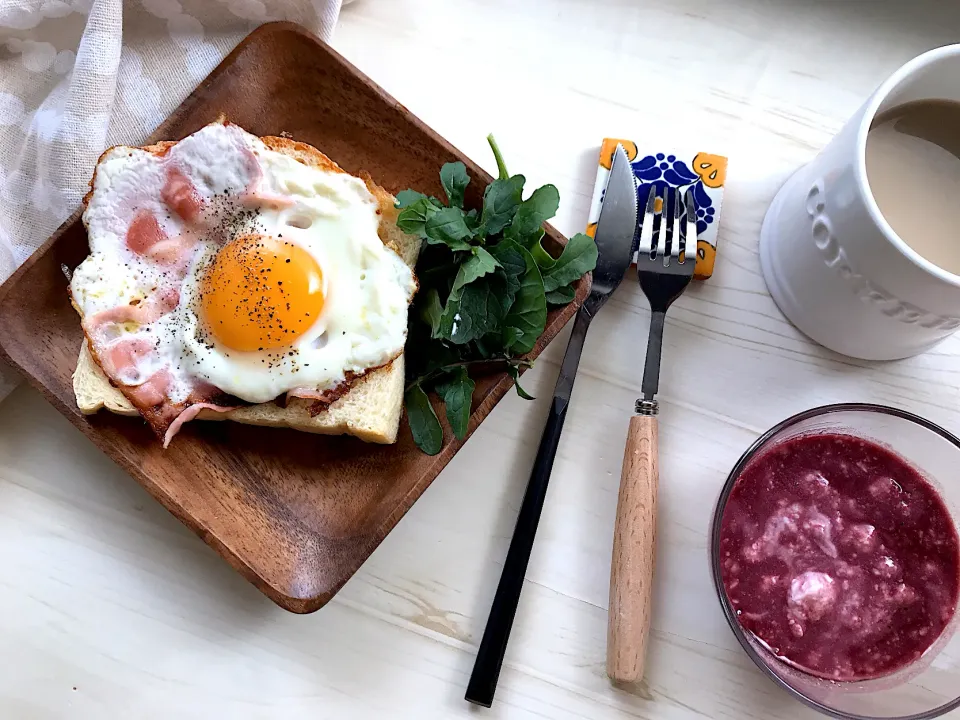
{"x": 634, "y": 546}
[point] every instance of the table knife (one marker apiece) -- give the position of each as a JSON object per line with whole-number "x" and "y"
{"x": 615, "y": 233}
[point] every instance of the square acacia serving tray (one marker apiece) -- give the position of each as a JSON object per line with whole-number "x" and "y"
{"x": 295, "y": 513}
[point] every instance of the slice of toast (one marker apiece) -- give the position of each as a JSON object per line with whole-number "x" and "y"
{"x": 369, "y": 410}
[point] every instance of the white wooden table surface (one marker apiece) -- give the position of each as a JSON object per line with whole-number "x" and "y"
{"x": 110, "y": 608}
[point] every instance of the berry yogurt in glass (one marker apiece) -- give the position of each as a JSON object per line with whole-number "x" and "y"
{"x": 839, "y": 556}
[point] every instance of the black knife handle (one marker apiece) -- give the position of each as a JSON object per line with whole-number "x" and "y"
{"x": 486, "y": 669}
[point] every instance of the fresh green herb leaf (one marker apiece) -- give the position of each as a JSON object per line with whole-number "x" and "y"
{"x": 528, "y": 313}
{"x": 514, "y": 372}
{"x": 427, "y": 433}
{"x": 501, "y": 166}
{"x": 447, "y": 227}
{"x": 405, "y": 198}
{"x": 489, "y": 302}
{"x": 511, "y": 260}
{"x": 476, "y": 266}
{"x": 480, "y": 263}
{"x": 413, "y": 218}
{"x": 454, "y": 178}
{"x": 579, "y": 256}
{"x": 500, "y": 202}
{"x": 478, "y": 309}
{"x": 457, "y": 392}
{"x": 562, "y": 295}
{"x": 431, "y": 310}
{"x": 511, "y": 336}
{"x": 472, "y": 219}
{"x": 533, "y": 212}
{"x": 544, "y": 260}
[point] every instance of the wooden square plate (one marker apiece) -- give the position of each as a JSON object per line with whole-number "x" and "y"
{"x": 295, "y": 513}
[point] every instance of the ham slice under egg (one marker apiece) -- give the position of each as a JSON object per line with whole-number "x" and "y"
{"x": 167, "y": 335}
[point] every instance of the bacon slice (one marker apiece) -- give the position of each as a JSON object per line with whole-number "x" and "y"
{"x": 322, "y": 398}
{"x": 143, "y": 313}
{"x": 174, "y": 252}
{"x": 179, "y": 194}
{"x": 308, "y": 394}
{"x": 152, "y": 392}
{"x": 152, "y": 400}
{"x": 325, "y": 398}
{"x": 144, "y": 232}
{"x": 122, "y": 356}
{"x": 189, "y": 414}
{"x": 119, "y": 360}
{"x": 254, "y": 196}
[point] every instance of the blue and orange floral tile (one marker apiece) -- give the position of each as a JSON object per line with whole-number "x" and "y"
{"x": 705, "y": 172}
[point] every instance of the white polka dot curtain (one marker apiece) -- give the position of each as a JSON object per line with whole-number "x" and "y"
{"x": 77, "y": 76}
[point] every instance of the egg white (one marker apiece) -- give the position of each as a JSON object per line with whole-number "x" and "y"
{"x": 332, "y": 216}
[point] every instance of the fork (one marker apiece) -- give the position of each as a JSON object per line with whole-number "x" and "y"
{"x": 665, "y": 263}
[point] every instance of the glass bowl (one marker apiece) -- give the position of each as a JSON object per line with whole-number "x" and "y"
{"x": 930, "y": 686}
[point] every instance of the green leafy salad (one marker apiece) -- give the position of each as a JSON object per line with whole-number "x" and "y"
{"x": 485, "y": 284}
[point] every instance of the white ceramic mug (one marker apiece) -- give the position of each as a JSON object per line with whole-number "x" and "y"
{"x": 832, "y": 262}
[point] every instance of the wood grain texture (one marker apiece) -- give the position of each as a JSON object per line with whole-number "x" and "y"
{"x": 634, "y": 553}
{"x": 295, "y": 514}
{"x": 768, "y": 83}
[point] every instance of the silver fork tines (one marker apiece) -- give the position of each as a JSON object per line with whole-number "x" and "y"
{"x": 690, "y": 239}
{"x": 675, "y": 226}
{"x": 669, "y": 233}
{"x": 646, "y": 228}
{"x": 663, "y": 236}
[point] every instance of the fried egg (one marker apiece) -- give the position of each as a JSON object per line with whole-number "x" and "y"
{"x": 221, "y": 262}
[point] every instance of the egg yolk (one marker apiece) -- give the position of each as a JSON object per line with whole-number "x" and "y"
{"x": 261, "y": 293}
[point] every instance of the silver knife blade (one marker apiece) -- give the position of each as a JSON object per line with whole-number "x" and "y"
{"x": 615, "y": 229}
